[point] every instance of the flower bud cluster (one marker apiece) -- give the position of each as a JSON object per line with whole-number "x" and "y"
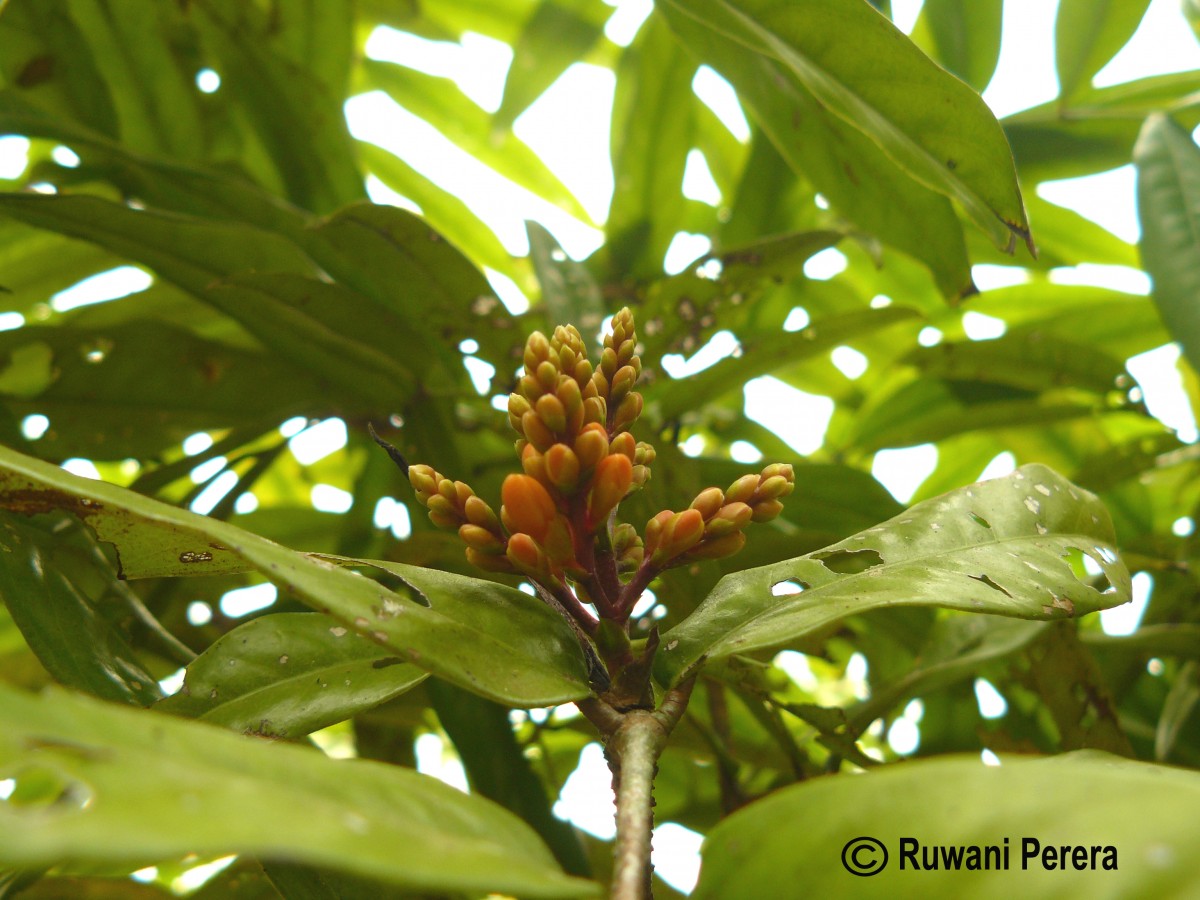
{"x": 454, "y": 506}
{"x": 712, "y": 527}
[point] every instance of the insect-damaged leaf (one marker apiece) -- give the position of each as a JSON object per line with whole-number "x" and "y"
{"x": 1003, "y": 546}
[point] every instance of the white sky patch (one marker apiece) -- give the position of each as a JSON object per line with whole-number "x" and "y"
{"x": 798, "y": 417}
{"x": 929, "y": 336}
{"x": 196, "y": 443}
{"x": 293, "y": 426}
{"x": 382, "y": 195}
{"x": 479, "y": 65}
{"x": 434, "y": 758}
{"x": 586, "y": 800}
{"x": 173, "y": 682}
{"x": 1117, "y": 278}
{"x": 245, "y": 504}
{"x": 797, "y": 319}
{"x": 849, "y": 361}
{"x": 856, "y": 676}
{"x": 796, "y": 666}
{"x": 392, "y": 514}
{"x": 1162, "y": 386}
{"x": 330, "y": 499}
{"x": 199, "y": 613}
{"x": 11, "y": 320}
{"x": 481, "y": 373}
{"x": 14, "y": 156}
{"x": 1001, "y": 464}
{"x": 718, "y": 94}
{"x": 1025, "y": 74}
{"x": 903, "y": 470}
{"x": 980, "y": 327}
{"x": 569, "y": 128}
{"x": 84, "y": 468}
{"x": 34, "y": 426}
{"x": 825, "y": 264}
{"x": 197, "y": 876}
{"x": 992, "y": 704}
{"x": 207, "y": 470}
{"x": 1183, "y": 526}
{"x": 905, "y": 13}
{"x": 744, "y": 452}
{"x": 110, "y": 285}
{"x": 989, "y": 758}
{"x": 721, "y": 345}
{"x": 904, "y": 737}
{"x": 988, "y": 277}
{"x": 1124, "y": 619}
{"x": 65, "y": 157}
{"x": 625, "y": 22}
{"x": 698, "y": 181}
{"x": 1107, "y": 198}
{"x": 675, "y": 855}
{"x": 693, "y": 446}
{"x": 316, "y": 443}
{"x": 207, "y": 500}
{"x": 507, "y": 290}
{"x": 1163, "y": 43}
{"x": 685, "y": 248}
{"x": 208, "y": 81}
{"x": 243, "y": 601}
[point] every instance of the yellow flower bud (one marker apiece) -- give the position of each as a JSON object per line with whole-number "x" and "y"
{"x": 708, "y": 501}
{"x": 628, "y": 411}
{"x": 527, "y": 506}
{"x": 742, "y": 489}
{"x": 550, "y": 410}
{"x": 562, "y": 468}
{"x": 479, "y": 513}
{"x": 766, "y": 511}
{"x": 624, "y": 444}
{"x": 611, "y": 482}
{"x": 729, "y": 518}
{"x": 481, "y": 539}
{"x": 537, "y": 350}
{"x": 526, "y": 556}
{"x": 536, "y": 432}
{"x": 592, "y": 445}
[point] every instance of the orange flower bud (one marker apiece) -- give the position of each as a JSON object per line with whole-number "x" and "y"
{"x": 611, "y": 482}
{"x": 562, "y": 468}
{"x": 682, "y": 532}
{"x": 729, "y": 518}
{"x": 481, "y": 539}
{"x": 527, "y": 506}
{"x": 742, "y": 489}
{"x": 628, "y": 411}
{"x": 708, "y": 501}
{"x": 526, "y": 556}
{"x": 443, "y": 507}
{"x": 717, "y": 548}
{"x": 772, "y": 488}
{"x": 624, "y": 444}
{"x": 595, "y": 410}
{"x": 654, "y": 530}
{"x": 765, "y": 512}
{"x": 533, "y": 463}
{"x": 550, "y": 410}
{"x": 529, "y": 388}
{"x": 559, "y": 545}
{"x": 444, "y": 520}
{"x": 488, "y": 562}
{"x": 592, "y": 445}
{"x": 479, "y": 513}
{"x": 582, "y": 373}
{"x": 622, "y": 383}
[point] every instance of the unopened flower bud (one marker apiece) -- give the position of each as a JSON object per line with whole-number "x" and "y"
{"x": 717, "y": 548}
{"x": 645, "y": 454}
{"x": 517, "y": 407}
{"x": 481, "y": 539}
{"x": 562, "y": 468}
{"x": 592, "y": 445}
{"x": 624, "y": 444}
{"x": 708, "y": 501}
{"x": 536, "y": 432}
{"x": 742, "y": 489}
{"x": 772, "y": 488}
{"x": 547, "y": 375}
{"x": 488, "y": 562}
{"x": 527, "y": 507}
{"x": 479, "y": 513}
{"x": 533, "y": 463}
{"x": 628, "y": 411}
{"x": 766, "y": 511}
{"x": 423, "y": 480}
{"x": 729, "y": 518}
{"x": 622, "y": 383}
{"x": 613, "y": 476}
{"x": 526, "y": 556}
{"x": 654, "y": 530}
{"x": 595, "y": 410}
{"x": 679, "y": 534}
{"x": 550, "y": 411}
{"x": 537, "y": 351}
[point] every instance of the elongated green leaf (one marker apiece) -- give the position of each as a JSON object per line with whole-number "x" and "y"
{"x": 841, "y": 162}
{"x": 490, "y": 639}
{"x": 48, "y": 581}
{"x": 930, "y": 124}
{"x": 995, "y": 547}
{"x": 569, "y": 293}
{"x": 1097, "y": 800}
{"x": 1087, "y": 34}
{"x": 673, "y": 398}
{"x": 288, "y": 674}
{"x": 126, "y": 786}
{"x": 963, "y": 37}
{"x": 1168, "y": 165}
{"x": 36, "y": 264}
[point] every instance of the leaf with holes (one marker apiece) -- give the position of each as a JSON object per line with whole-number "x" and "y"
{"x": 288, "y": 674}
{"x": 1011, "y": 546}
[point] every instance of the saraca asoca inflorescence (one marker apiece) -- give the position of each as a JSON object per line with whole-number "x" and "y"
{"x": 558, "y": 524}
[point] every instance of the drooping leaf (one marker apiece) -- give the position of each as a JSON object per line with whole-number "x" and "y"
{"x": 1087, "y": 35}
{"x": 288, "y": 674}
{"x": 54, "y": 585}
{"x": 569, "y": 293}
{"x": 1168, "y": 164}
{"x": 486, "y": 637}
{"x": 931, "y": 125}
{"x": 119, "y": 786}
{"x": 963, "y": 37}
{"x": 1098, "y": 800}
{"x": 998, "y": 547}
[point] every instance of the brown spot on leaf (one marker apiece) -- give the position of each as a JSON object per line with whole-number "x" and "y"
{"x": 32, "y": 501}
{"x": 36, "y": 71}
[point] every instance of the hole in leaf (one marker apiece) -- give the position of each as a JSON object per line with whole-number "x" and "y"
{"x": 788, "y": 588}
{"x": 41, "y": 787}
{"x": 979, "y": 520}
{"x": 850, "y": 562}
{"x": 984, "y": 579}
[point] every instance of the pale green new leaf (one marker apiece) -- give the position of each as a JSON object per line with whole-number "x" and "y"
{"x": 488, "y": 638}
{"x": 963, "y": 37}
{"x": 1087, "y": 34}
{"x": 119, "y": 786}
{"x": 1001, "y": 547}
{"x": 1084, "y": 798}
{"x": 1168, "y": 165}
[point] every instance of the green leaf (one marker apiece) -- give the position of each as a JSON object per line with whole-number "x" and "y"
{"x": 1168, "y": 190}
{"x": 1097, "y": 799}
{"x": 930, "y": 124}
{"x": 845, "y": 165}
{"x": 995, "y": 547}
{"x": 124, "y": 787}
{"x": 37, "y": 264}
{"x": 569, "y": 293}
{"x": 963, "y": 37}
{"x": 55, "y": 583}
{"x": 491, "y": 639}
{"x": 289, "y": 674}
{"x": 1087, "y": 35}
